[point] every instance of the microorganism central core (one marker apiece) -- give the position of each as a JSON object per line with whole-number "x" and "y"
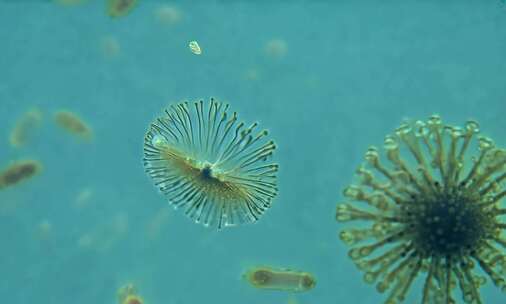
{"x": 207, "y": 171}
{"x": 447, "y": 225}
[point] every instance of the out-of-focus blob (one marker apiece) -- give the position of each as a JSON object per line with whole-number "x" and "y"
{"x": 73, "y": 124}
{"x": 276, "y": 48}
{"x": 128, "y": 295}
{"x": 168, "y": 15}
{"x": 109, "y": 47}
{"x": 83, "y": 198}
{"x": 25, "y": 128}
{"x": 265, "y": 277}
{"x": 155, "y": 225}
{"x": 18, "y": 172}
{"x": 120, "y": 8}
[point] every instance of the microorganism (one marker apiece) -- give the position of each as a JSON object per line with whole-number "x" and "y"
{"x": 207, "y": 162}
{"x": 73, "y": 124}
{"x": 128, "y": 295}
{"x": 280, "y": 279}
{"x": 434, "y": 211}
{"x": 25, "y": 128}
{"x": 195, "y": 47}
{"x": 120, "y": 8}
{"x": 18, "y": 172}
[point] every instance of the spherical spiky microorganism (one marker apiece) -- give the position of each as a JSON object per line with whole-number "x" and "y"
{"x": 206, "y": 161}
{"x": 436, "y": 213}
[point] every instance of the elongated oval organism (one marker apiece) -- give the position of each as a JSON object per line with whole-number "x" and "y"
{"x": 73, "y": 124}
{"x": 207, "y": 162}
{"x": 18, "y": 172}
{"x": 25, "y": 128}
{"x": 280, "y": 279}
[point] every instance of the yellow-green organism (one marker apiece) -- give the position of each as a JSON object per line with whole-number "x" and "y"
{"x": 128, "y": 295}
{"x": 280, "y": 279}
{"x": 120, "y": 8}
{"x": 72, "y": 123}
{"x": 210, "y": 164}
{"x": 434, "y": 212}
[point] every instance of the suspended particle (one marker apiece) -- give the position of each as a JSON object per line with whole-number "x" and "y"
{"x": 25, "y": 128}
{"x": 128, "y": 295}
{"x": 120, "y": 8}
{"x": 73, "y": 124}
{"x": 276, "y": 48}
{"x": 83, "y": 198}
{"x": 195, "y": 48}
{"x": 109, "y": 47}
{"x": 265, "y": 277}
{"x": 18, "y": 172}
{"x": 168, "y": 15}
{"x": 207, "y": 162}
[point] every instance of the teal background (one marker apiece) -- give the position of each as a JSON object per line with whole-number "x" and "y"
{"x": 353, "y": 70}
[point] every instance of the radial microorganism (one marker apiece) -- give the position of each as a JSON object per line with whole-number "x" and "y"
{"x": 434, "y": 211}
{"x": 207, "y": 162}
{"x": 280, "y": 279}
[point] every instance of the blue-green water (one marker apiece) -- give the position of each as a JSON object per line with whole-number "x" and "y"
{"x": 351, "y": 72}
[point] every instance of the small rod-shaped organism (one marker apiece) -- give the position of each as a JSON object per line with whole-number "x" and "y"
{"x": 120, "y": 8}
{"x": 18, "y": 172}
{"x": 265, "y": 277}
{"x": 73, "y": 124}
{"x": 25, "y": 127}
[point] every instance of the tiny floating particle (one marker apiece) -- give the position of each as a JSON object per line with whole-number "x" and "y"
{"x": 128, "y": 295}
{"x": 18, "y": 172}
{"x": 195, "y": 48}
{"x": 73, "y": 124}
{"x": 276, "y": 48}
{"x": 109, "y": 47}
{"x": 210, "y": 164}
{"x": 120, "y": 8}
{"x": 25, "y": 127}
{"x": 280, "y": 279}
{"x": 168, "y": 15}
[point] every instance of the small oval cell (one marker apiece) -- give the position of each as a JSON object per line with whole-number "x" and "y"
{"x": 120, "y": 8}
{"x": 73, "y": 124}
{"x": 280, "y": 279}
{"x": 18, "y": 172}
